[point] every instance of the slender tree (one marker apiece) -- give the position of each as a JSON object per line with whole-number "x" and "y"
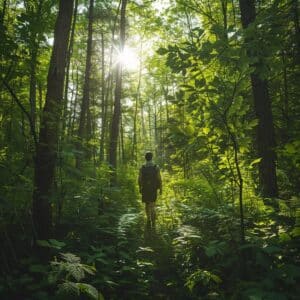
{"x": 4, "y": 5}
{"x": 48, "y": 137}
{"x": 262, "y": 106}
{"x": 115, "y": 126}
{"x": 84, "y": 129}
{"x": 103, "y": 98}
{"x": 295, "y": 13}
{"x": 69, "y": 55}
{"x": 135, "y": 115}
{"x": 35, "y": 11}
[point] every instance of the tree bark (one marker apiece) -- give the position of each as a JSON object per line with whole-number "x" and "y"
{"x": 103, "y": 99}
{"x": 34, "y": 10}
{"x": 32, "y": 86}
{"x": 135, "y": 117}
{"x": 74, "y": 101}
{"x": 286, "y": 100}
{"x": 3, "y": 12}
{"x": 48, "y": 138}
{"x": 69, "y": 55}
{"x": 84, "y": 129}
{"x": 122, "y": 144}
{"x": 295, "y": 11}
{"x": 225, "y": 23}
{"x": 262, "y": 106}
{"x": 115, "y": 126}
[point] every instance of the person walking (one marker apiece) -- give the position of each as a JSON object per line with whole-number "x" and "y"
{"x": 149, "y": 182}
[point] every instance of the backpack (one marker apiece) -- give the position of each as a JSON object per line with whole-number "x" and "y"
{"x": 149, "y": 177}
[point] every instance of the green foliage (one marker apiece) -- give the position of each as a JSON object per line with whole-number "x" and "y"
{"x": 70, "y": 271}
{"x": 51, "y": 243}
{"x": 202, "y": 279}
{"x": 191, "y": 104}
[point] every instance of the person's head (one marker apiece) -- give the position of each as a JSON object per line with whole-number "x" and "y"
{"x": 148, "y": 156}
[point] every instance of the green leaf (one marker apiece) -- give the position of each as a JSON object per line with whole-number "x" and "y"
{"x": 284, "y": 237}
{"x": 51, "y": 243}
{"x": 206, "y": 130}
{"x": 69, "y": 288}
{"x": 296, "y": 231}
{"x": 162, "y": 51}
{"x": 57, "y": 244}
{"x": 252, "y": 123}
{"x": 272, "y": 249}
{"x": 43, "y": 243}
{"x": 290, "y": 148}
{"x": 215, "y": 278}
{"x": 145, "y": 249}
{"x": 88, "y": 289}
{"x": 256, "y": 161}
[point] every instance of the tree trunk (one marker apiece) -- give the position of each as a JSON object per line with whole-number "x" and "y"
{"x": 40, "y": 98}
{"x": 134, "y": 138}
{"x": 295, "y": 12}
{"x": 3, "y": 12}
{"x": 103, "y": 98}
{"x": 150, "y": 124}
{"x": 72, "y": 118}
{"x": 108, "y": 102}
{"x": 262, "y": 106}
{"x": 48, "y": 137}
{"x": 122, "y": 146}
{"x": 286, "y": 114}
{"x": 224, "y": 12}
{"x": 135, "y": 117}
{"x": 69, "y": 55}
{"x": 84, "y": 129}
{"x": 32, "y": 85}
{"x": 115, "y": 126}
{"x": 155, "y": 129}
{"x": 34, "y": 47}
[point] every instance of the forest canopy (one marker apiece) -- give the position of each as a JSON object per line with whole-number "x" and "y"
{"x": 211, "y": 88}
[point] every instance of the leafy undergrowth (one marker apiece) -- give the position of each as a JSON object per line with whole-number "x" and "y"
{"x": 105, "y": 251}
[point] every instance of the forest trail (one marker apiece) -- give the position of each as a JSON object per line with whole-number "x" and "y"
{"x": 211, "y": 88}
{"x": 154, "y": 254}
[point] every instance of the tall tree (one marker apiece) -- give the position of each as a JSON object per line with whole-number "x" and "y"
{"x": 115, "y": 126}
{"x": 48, "y": 137}
{"x": 84, "y": 129}
{"x": 295, "y": 12}
{"x": 33, "y": 49}
{"x": 103, "y": 98}
{"x": 69, "y": 55}
{"x": 262, "y": 106}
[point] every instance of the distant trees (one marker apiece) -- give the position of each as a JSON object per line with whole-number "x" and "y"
{"x": 210, "y": 98}
{"x": 215, "y": 98}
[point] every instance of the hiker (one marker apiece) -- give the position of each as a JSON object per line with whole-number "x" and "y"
{"x": 149, "y": 183}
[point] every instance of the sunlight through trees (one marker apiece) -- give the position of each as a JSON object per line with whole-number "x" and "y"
{"x": 211, "y": 88}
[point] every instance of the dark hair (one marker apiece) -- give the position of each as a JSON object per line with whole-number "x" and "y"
{"x": 148, "y": 156}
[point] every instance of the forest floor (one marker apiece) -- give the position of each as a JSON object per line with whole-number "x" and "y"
{"x": 155, "y": 256}
{"x": 192, "y": 253}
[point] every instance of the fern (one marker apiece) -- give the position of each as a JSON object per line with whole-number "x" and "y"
{"x": 76, "y": 289}
{"x": 68, "y": 268}
{"x": 68, "y": 288}
{"x": 88, "y": 289}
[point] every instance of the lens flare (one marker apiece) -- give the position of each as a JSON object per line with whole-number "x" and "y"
{"x": 129, "y": 59}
